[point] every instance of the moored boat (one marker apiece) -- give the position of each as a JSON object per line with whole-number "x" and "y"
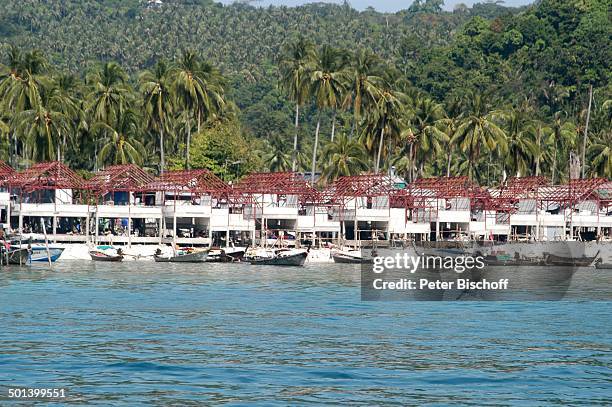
{"x": 18, "y": 256}
{"x": 100, "y": 255}
{"x": 182, "y": 256}
{"x": 280, "y": 257}
{"x": 600, "y": 265}
{"x": 39, "y": 253}
{"x": 351, "y": 257}
{"x": 584, "y": 261}
{"x": 227, "y": 255}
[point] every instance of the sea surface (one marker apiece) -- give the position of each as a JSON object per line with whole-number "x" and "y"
{"x": 141, "y": 333}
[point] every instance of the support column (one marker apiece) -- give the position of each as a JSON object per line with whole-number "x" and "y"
{"x": 174, "y": 230}
{"x": 20, "y": 223}
{"x": 54, "y": 229}
{"x": 87, "y": 220}
{"x": 129, "y": 231}
{"x": 97, "y": 228}
{"x": 161, "y": 229}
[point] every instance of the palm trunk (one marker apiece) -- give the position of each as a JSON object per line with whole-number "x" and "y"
{"x": 295, "y": 137}
{"x": 586, "y": 131}
{"x": 64, "y": 146}
{"x": 199, "y": 120}
{"x": 380, "y": 146}
{"x": 554, "y": 167}
{"x": 410, "y": 179}
{"x": 162, "y": 158}
{"x": 537, "y": 170}
{"x": 448, "y": 164}
{"x": 188, "y": 142}
{"x": 314, "y": 149}
{"x": 333, "y": 131}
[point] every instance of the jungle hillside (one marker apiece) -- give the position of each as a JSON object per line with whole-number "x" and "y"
{"x": 485, "y": 91}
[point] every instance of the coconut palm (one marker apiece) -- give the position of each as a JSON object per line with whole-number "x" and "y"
{"x": 20, "y": 85}
{"x": 295, "y": 63}
{"x": 363, "y": 80}
{"x": 479, "y": 133}
{"x": 120, "y": 141}
{"x": 40, "y": 129}
{"x": 198, "y": 90}
{"x": 562, "y": 139}
{"x": 344, "y": 157}
{"x": 158, "y": 102}
{"x": 277, "y": 159}
{"x": 540, "y": 133}
{"x": 386, "y": 118}
{"x": 327, "y": 86}
{"x": 600, "y": 154}
{"x": 428, "y": 127}
{"x": 108, "y": 98}
{"x": 522, "y": 148}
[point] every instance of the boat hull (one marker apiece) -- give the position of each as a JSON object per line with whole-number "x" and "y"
{"x": 198, "y": 257}
{"x": 39, "y": 254}
{"x": 348, "y": 259}
{"x": 99, "y": 256}
{"x": 554, "y": 260}
{"x": 18, "y": 256}
{"x": 293, "y": 260}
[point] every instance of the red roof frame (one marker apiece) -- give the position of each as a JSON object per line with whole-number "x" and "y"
{"x": 365, "y": 185}
{"x": 6, "y": 171}
{"x": 279, "y": 183}
{"x": 124, "y": 177}
{"x": 195, "y": 181}
{"x": 47, "y": 175}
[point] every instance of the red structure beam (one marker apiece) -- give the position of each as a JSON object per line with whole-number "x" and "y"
{"x": 127, "y": 177}
{"x": 47, "y": 175}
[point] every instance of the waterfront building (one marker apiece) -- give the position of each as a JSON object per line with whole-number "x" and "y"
{"x": 123, "y": 204}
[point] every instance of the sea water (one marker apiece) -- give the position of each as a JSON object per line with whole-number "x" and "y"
{"x": 142, "y": 333}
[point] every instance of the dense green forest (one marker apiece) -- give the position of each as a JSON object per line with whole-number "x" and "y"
{"x": 485, "y": 91}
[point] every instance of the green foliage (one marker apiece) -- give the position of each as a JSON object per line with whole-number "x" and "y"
{"x": 481, "y": 90}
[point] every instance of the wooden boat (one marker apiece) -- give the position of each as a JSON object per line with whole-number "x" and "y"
{"x": 39, "y": 253}
{"x": 280, "y": 258}
{"x": 600, "y": 265}
{"x": 97, "y": 255}
{"x": 507, "y": 260}
{"x": 224, "y": 256}
{"x": 353, "y": 257}
{"x": 554, "y": 260}
{"x": 183, "y": 256}
{"x": 18, "y": 256}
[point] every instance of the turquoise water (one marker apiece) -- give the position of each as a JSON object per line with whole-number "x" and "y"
{"x": 160, "y": 334}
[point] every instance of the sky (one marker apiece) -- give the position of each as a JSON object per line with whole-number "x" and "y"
{"x": 381, "y": 5}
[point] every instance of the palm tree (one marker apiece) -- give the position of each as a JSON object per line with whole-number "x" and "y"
{"x": 522, "y": 148}
{"x": 198, "y": 90}
{"x": 20, "y": 85}
{"x": 428, "y": 125}
{"x": 295, "y": 64}
{"x": 158, "y": 102}
{"x": 478, "y": 131}
{"x": 121, "y": 140}
{"x": 364, "y": 78}
{"x": 563, "y": 139}
{"x": 600, "y": 154}
{"x": 387, "y": 116}
{"x": 344, "y": 157}
{"x": 40, "y": 128}
{"x": 541, "y": 133}
{"x": 108, "y": 98}
{"x": 327, "y": 86}
{"x": 63, "y": 99}
{"x": 277, "y": 159}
